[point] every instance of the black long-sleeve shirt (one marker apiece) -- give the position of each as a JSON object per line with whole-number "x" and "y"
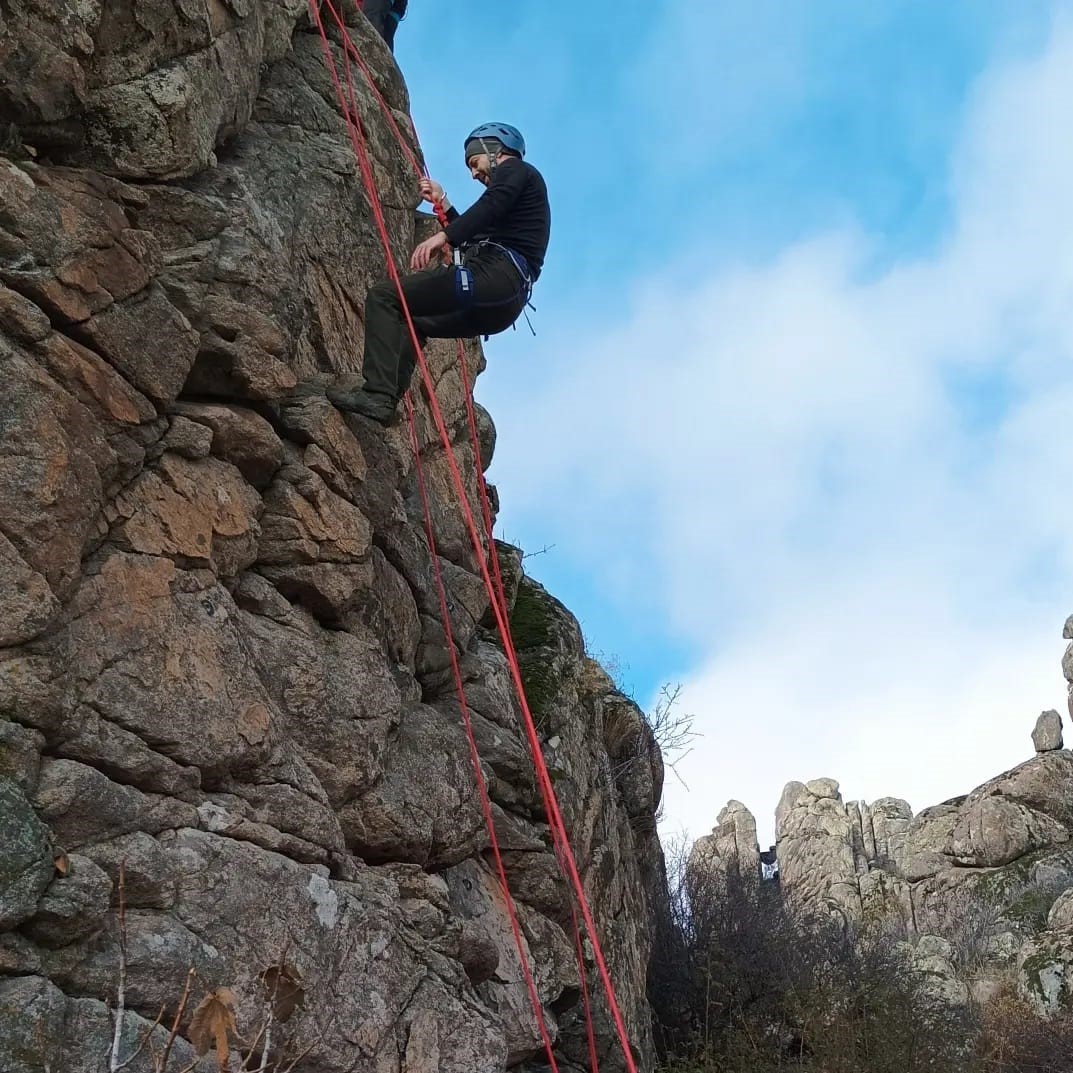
{"x": 513, "y": 211}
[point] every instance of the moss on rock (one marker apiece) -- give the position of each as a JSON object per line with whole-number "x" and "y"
{"x": 531, "y": 620}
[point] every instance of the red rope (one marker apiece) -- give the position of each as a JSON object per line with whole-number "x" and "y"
{"x": 482, "y": 786}
{"x": 351, "y": 51}
{"x": 357, "y": 139}
{"x": 556, "y": 823}
{"x": 590, "y": 1031}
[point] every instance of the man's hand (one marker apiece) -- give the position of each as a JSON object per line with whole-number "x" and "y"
{"x": 429, "y": 250}
{"x": 431, "y": 191}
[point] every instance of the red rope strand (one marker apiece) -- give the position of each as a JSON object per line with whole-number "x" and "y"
{"x": 494, "y": 588}
{"x": 357, "y": 139}
{"x": 482, "y": 786}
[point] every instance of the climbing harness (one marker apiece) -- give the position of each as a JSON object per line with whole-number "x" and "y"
{"x": 459, "y": 256}
{"x": 466, "y": 287}
{"x": 484, "y": 551}
{"x": 515, "y": 258}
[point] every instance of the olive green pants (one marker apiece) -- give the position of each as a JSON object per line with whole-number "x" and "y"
{"x": 484, "y": 297}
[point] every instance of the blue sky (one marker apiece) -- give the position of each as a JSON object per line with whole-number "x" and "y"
{"x": 801, "y": 320}
{"x": 750, "y": 123}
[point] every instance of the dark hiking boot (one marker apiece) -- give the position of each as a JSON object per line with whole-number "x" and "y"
{"x": 379, "y": 408}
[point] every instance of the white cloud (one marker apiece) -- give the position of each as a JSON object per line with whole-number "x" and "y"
{"x": 850, "y": 488}
{"x": 915, "y": 705}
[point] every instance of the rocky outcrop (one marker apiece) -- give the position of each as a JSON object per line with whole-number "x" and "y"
{"x": 815, "y": 846}
{"x": 828, "y": 850}
{"x": 989, "y": 874}
{"x": 222, "y": 670}
{"x": 731, "y": 849}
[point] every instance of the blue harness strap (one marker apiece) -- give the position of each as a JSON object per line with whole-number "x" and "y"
{"x": 516, "y": 259}
{"x": 464, "y": 287}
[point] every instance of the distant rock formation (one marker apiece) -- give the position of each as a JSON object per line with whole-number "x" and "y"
{"x": 731, "y": 849}
{"x": 984, "y": 868}
{"x": 826, "y": 849}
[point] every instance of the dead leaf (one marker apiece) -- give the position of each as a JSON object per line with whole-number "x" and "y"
{"x": 284, "y": 991}
{"x": 210, "y": 1024}
{"x": 61, "y": 864}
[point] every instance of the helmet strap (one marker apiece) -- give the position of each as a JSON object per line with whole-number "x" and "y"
{"x": 491, "y": 159}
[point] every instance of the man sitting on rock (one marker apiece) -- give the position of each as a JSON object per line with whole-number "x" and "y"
{"x": 385, "y": 15}
{"x": 499, "y": 245}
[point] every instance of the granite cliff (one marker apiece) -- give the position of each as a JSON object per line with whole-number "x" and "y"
{"x": 222, "y": 668}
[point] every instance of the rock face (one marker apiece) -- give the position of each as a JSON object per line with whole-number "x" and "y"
{"x": 145, "y": 90}
{"x": 222, "y": 668}
{"x": 731, "y": 849}
{"x": 828, "y": 849}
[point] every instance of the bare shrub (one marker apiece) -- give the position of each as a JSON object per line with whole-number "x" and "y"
{"x": 667, "y": 732}
{"x": 975, "y": 922}
{"x": 1033, "y": 902}
{"x": 1014, "y": 1039}
{"x": 754, "y": 988}
{"x": 671, "y": 728}
{"x": 970, "y": 927}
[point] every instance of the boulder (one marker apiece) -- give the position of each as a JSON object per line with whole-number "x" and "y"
{"x": 932, "y": 959}
{"x": 1047, "y": 734}
{"x": 995, "y": 830}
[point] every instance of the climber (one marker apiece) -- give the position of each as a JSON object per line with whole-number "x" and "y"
{"x": 498, "y": 251}
{"x": 385, "y": 15}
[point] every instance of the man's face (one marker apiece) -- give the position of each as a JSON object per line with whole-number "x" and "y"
{"x": 480, "y": 167}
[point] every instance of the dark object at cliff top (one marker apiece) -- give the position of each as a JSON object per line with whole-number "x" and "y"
{"x": 385, "y": 15}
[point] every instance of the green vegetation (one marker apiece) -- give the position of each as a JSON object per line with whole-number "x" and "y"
{"x": 532, "y": 621}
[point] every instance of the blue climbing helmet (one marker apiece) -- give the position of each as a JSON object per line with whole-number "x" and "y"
{"x": 507, "y": 136}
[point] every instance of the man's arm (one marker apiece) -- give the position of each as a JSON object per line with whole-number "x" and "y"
{"x": 490, "y": 208}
